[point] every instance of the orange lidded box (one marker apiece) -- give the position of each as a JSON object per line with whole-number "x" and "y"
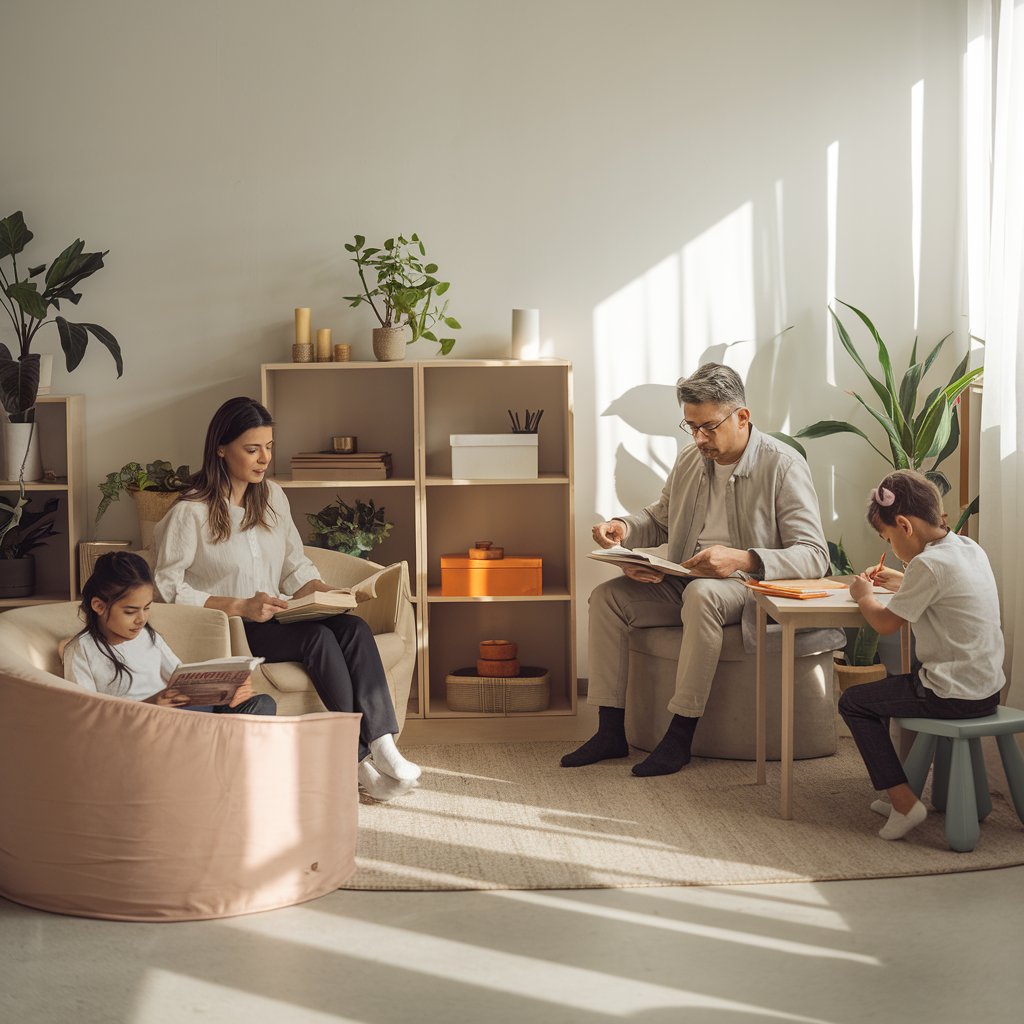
{"x": 512, "y": 576}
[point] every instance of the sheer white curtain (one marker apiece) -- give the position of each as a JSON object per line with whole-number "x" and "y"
{"x": 994, "y": 176}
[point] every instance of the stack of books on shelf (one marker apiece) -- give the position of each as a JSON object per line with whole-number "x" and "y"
{"x": 333, "y": 465}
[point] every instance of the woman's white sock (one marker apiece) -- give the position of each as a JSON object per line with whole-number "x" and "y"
{"x": 882, "y": 807}
{"x": 388, "y": 759}
{"x": 373, "y": 783}
{"x": 899, "y": 825}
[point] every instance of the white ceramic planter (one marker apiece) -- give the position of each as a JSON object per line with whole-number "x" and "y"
{"x": 45, "y": 374}
{"x": 20, "y": 438}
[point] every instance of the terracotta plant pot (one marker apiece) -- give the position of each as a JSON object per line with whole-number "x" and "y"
{"x": 389, "y": 343}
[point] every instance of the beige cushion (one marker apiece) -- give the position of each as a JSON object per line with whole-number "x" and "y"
{"x": 119, "y": 809}
{"x": 728, "y": 725}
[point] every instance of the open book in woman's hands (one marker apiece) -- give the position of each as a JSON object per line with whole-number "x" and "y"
{"x": 624, "y": 558}
{"x": 321, "y": 604}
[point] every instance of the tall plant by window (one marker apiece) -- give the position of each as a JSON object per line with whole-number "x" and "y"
{"x": 920, "y": 436}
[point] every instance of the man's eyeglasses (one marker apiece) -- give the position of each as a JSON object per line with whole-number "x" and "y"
{"x": 707, "y": 429}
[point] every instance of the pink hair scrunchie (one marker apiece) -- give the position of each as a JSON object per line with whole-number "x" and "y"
{"x": 883, "y": 496}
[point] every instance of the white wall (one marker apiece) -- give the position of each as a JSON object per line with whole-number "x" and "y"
{"x": 652, "y": 175}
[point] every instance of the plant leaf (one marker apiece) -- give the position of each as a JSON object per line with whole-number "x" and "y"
{"x": 26, "y": 295}
{"x": 940, "y": 480}
{"x": 109, "y": 342}
{"x": 452, "y": 323}
{"x": 791, "y": 441}
{"x": 19, "y": 384}
{"x": 73, "y": 339}
{"x": 887, "y": 399}
{"x": 14, "y": 235}
{"x": 441, "y": 287}
{"x": 825, "y": 428}
{"x": 971, "y": 510}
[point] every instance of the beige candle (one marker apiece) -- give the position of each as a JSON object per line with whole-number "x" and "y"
{"x": 342, "y": 353}
{"x": 323, "y": 344}
{"x": 302, "y": 325}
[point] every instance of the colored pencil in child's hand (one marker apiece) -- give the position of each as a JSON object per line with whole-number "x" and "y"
{"x": 878, "y": 568}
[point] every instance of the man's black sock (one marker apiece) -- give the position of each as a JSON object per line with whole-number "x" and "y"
{"x": 609, "y": 741}
{"x": 672, "y": 752}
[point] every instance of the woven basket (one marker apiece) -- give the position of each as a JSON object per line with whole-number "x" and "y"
{"x": 529, "y": 691}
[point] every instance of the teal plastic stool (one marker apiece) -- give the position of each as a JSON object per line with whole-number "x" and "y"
{"x": 959, "y": 784}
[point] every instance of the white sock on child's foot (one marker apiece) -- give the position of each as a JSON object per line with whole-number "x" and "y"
{"x": 388, "y": 759}
{"x": 899, "y": 825}
{"x": 882, "y": 807}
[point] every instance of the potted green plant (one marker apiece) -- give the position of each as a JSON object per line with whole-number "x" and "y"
{"x": 402, "y": 295}
{"x": 915, "y": 435}
{"x": 27, "y": 302}
{"x": 352, "y": 529}
{"x": 154, "y": 489}
{"x": 22, "y": 531}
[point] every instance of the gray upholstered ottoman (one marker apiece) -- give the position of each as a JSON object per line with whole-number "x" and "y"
{"x": 727, "y": 728}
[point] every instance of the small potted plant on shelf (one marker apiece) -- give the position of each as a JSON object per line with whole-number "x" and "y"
{"x": 402, "y": 296}
{"x": 154, "y": 489}
{"x": 28, "y": 303}
{"x": 352, "y": 529}
{"x": 22, "y": 530}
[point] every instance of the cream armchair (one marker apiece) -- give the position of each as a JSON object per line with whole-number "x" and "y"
{"x": 390, "y": 616}
{"x": 118, "y": 809}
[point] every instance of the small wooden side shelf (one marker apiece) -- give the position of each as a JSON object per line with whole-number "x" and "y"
{"x": 411, "y": 409}
{"x": 61, "y": 423}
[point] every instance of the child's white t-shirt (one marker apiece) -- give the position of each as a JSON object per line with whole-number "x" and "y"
{"x": 149, "y": 659}
{"x": 949, "y": 595}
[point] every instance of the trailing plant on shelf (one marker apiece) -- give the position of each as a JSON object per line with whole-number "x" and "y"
{"x": 916, "y": 434}
{"x": 28, "y": 302}
{"x": 352, "y": 529}
{"x": 404, "y": 289}
{"x": 159, "y": 476}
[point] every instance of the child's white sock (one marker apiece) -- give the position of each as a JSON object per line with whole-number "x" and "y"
{"x": 882, "y": 807}
{"x": 899, "y": 825}
{"x": 388, "y": 759}
{"x": 373, "y": 783}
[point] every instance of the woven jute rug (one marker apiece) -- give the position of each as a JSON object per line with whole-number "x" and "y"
{"x": 507, "y": 816}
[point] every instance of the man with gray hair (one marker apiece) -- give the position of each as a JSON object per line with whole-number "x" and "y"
{"x": 737, "y": 505}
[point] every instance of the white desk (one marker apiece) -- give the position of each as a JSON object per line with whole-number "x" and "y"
{"x": 838, "y": 609}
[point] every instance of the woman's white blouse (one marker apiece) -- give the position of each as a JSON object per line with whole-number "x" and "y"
{"x": 191, "y": 567}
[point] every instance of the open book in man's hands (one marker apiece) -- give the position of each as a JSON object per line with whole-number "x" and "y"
{"x": 623, "y": 557}
{"x": 323, "y": 603}
{"x": 212, "y": 682}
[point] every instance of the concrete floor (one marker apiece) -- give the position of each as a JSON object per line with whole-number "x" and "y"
{"x": 939, "y": 949}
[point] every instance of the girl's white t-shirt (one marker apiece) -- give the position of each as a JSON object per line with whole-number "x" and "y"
{"x": 949, "y": 596}
{"x": 149, "y": 659}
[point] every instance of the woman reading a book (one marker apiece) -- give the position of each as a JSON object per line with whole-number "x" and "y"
{"x": 120, "y": 653}
{"x": 230, "y": 543}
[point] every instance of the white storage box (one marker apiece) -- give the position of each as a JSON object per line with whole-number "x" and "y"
{"x": 494, "y": 456}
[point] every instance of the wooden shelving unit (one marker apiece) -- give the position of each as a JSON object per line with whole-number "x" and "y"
{"x": 411, "y": 409}
{"x": 61, "y": 424}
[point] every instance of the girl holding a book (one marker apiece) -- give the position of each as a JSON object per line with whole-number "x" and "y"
{"x": 948, "y": 594}
{"x": 230, "y": 543}
{"x": 118, "y": 652}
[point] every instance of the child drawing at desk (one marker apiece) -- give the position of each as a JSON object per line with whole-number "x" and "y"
{"x": 948, "y": 594}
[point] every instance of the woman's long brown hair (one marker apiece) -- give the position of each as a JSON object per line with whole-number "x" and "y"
{"x": 211, "y": 484}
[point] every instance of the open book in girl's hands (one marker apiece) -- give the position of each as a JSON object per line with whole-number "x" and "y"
{"x": 623, "y": 557}
{"x": 323, "y": 603}
{"x": 211, "y": 682}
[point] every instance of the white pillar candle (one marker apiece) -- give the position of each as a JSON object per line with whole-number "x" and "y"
{"x": 525, "y": 333}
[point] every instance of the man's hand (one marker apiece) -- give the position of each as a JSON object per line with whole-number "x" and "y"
{"x": 243, "y": 693}
{"x": 261, "y": 607}
{"x": 169, "y": 698}
{"x": 860, "y": 587}
{"x": 718, "y": 562}
{"x": 643, "y": 574}
{"x": 609, "y": 534}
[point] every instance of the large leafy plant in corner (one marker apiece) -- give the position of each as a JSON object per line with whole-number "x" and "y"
{"x": 28, "y": 296}
{"x": 404, "y": 288}
{"x": 920, "y": 436}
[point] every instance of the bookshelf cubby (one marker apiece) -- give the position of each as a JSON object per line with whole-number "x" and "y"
{"x": 410, "y": 409}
